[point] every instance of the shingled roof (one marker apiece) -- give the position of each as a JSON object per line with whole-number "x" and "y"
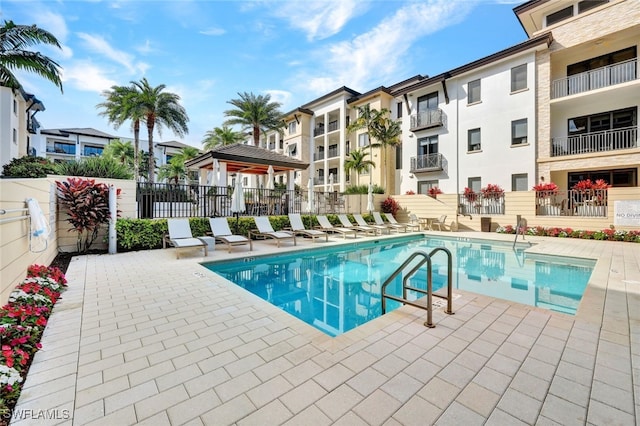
{"x": 246, "y": 159}
{"x": 86, "y": 131}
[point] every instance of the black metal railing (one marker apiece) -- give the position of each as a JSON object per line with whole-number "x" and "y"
{"x": 608, "y": 140}
{"x": 426, "y": 162}
{"x": 333, "y": 126}
{"x": 429, "y": 118}
{"x": 572, "y": 202}
{"x": 319, "y": 130}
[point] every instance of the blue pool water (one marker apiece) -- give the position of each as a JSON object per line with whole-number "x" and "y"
{"x": 337, "y": 289}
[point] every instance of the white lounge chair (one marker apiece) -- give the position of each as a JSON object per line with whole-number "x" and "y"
{"x": 180, "y": 236}
{"x": 412, "y": 225}
{"x": 222, "y": 232}
{"x": 344, "y": 220}
{"x": 265, "y": 230}
{"x": 297, "y": 226}
{"x": 392, "y": 226}
{"x": 362, "y": 223}
{"x": 439, "y": 223}
{"x": 328, "y": 227}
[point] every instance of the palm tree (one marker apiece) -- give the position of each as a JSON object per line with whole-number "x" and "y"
{"x": 221, "y": 136}
{"x": 357, "y": 162}
{"x": 255, "y": 113}
{"x": 368, "y": 119}
{"x": 173, "y": 171}
{"x": 122, "y": 104}
{"x": 14, "y": 39}
{"x": 121, "y": 151}
{"x": 160, "y": 109}
{"x": 387, "y": 132}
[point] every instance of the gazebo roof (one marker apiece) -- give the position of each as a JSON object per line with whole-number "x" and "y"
{"x": 246, "y": 159}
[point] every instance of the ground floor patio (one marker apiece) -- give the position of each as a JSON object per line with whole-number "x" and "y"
{"x": 146, "y": 338}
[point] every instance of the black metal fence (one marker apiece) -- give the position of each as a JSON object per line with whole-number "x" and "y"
{"x": 164, "y": 200}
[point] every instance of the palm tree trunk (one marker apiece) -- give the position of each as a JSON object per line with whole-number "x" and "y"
{"x": 256, "y": 135}
{"x": 150, "y": 125}
{"x": 136, "y": 148}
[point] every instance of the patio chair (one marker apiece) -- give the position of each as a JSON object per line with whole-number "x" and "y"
{"x": 439, "y": 223}
{"x": 344, "y": 220}
{"x": 221, "y": 232}
{"x": 180, "y": 236}
{"x": 328, "y": 227}
{"x": 265, "y": 230}
{"x": 413, "y": 225}
{"x": 362, "y": 223}
{"x": 297, "y": 227}
{"x": 390, "y": 225}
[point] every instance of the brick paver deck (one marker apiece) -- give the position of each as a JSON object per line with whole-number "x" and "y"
{"x": 146, "y": 338}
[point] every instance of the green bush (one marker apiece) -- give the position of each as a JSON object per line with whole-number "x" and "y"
{"x": 100, "y": 167}
{"x": 29, "y": 167}
{"x": 363, "y": 189}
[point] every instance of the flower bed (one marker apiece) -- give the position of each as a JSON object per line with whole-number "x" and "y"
{"x": 22, "y": 322}
{"x": 610, "y": 234}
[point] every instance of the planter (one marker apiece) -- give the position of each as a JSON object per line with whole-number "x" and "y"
{"x": 485, "y": 224}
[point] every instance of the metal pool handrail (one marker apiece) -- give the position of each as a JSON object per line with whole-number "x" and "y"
{"x": 426, "y": 258}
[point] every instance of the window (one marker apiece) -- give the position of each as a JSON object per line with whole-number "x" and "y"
{"x": 473, "y": 94}
{"x": 585, "y": 5}
{"x": 92, "y": 151}
{"x": 399, "y": 110}
{"x": 15, "y": 136}
{"x": 520, "y": 182}
{"x": 363, "y": 139}
{"x": 425, "y": 185}
{"x": 292, "y": 127}
{"x": 475, "y": 183}
{"x": 618, "y": 119}
{"x": 474, "y": 140}
{"x": 398, "y": 157}
{"x": 427, "y": 102}
{"x": 64, "y": 148}
{"x": 519, "y": 132}
{"x": 15, "y": 107}
{"x": 519, "y": 78}
{"x": 428, "y": 145}
{"x": 602, "y": 61}
{"x": 560, "y": 15}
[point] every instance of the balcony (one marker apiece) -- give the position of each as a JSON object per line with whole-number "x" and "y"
{"x": 426, "y": 163}
{"x": 333, "y": 126}
{"x": 426, "y": 119}
{"x": 595, "y": 79}
{"x": 333, "y": 152}
{"x": 608, "y": 140}
{"x": 319, "y": 130}
{"x": 318, "y": 156}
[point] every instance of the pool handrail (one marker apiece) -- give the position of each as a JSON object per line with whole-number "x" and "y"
{"x": 429, "y": 292}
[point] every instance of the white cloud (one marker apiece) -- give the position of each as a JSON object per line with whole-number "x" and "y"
{"x": 281, "y": 96}
{"x": 378, "y": 54}
{"x": 320, "y": 19}
{"x": 100, "y": 45}
{"x": 146, "y": 48}
{"x": 213, "y": 31}
{"x": 86, "y": 76}
{"x": 52, "y": 22}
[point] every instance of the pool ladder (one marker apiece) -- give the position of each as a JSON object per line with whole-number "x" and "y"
{"x": 425, "y": 258}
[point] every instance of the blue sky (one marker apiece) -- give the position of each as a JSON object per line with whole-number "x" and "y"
{"x": 208, "y": 51}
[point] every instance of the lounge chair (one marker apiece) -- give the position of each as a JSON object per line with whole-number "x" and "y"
{"x": 395, "y": 226}
{"x": 297, "y": 227}
{"x": 180, "y": 236}
{"x": 344, "y": 220}
{"x": 439, "y": 223}
{"x": 412, "y": 225}
{"x": 362, "y": 223}
{"x": 328, "y": 227}
{"x": 265, "y": 230}
{"x": 221, "y": 232}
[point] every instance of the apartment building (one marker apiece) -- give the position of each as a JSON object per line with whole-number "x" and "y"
{"x": 588, "y": 89}
{"x": 18, "y": 125}
{"x": 71, "y": 143}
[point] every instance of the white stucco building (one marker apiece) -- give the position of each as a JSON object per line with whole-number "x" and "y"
{"x": 18, "y": 125}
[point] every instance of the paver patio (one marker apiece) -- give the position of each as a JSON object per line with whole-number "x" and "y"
{"x": 143, "y": 337}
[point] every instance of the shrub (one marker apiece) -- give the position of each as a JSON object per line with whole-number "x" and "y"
{"x": 470, "y": 195}
{"x": 610, "y": 234}
{"x": 390, "y": 206}
{"x": 434, "y": 191}
{"x": 363, "y": 189}
{"x": 29, "y": 167}
{"x": 101, "y": 167}
{"x": 492, "y": 191}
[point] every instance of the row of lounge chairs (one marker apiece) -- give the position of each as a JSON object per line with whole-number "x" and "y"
{"x": 180, "y": 235}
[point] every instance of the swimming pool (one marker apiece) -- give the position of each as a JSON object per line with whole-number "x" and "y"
{"x": 336, "y": 289}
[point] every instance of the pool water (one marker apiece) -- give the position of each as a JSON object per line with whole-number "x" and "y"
{"x": 337, "y": 289}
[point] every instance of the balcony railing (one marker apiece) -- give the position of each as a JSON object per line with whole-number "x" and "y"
{"x": 333, "y": 126}
{"x": 318, "y": 156}
{"x": 333, "y": 152}
{"x": 427, "y": 162}
{"x": 426, "y": 119}
{"x": 481, "y": 204}
{"x": 585, "y": 203}
{"x": 319, "y": 130}
{"x": 595, "y": 79}
{"x": 608, "y": 140}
